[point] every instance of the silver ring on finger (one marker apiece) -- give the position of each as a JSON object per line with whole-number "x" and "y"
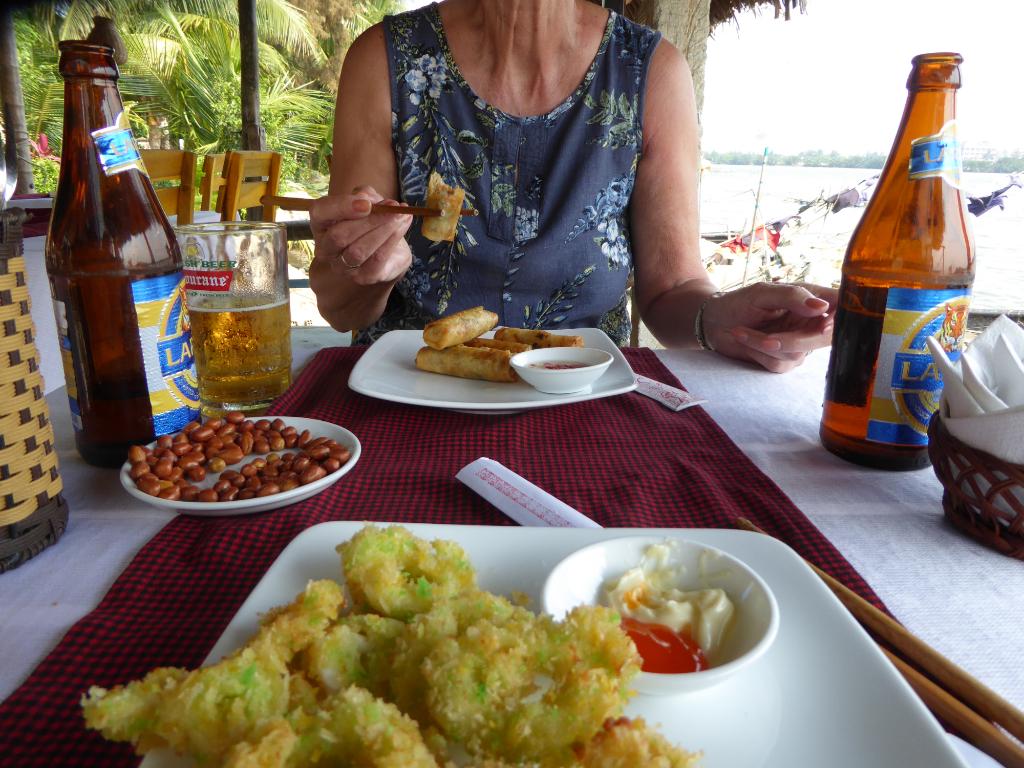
{"x": 341, "y": 257}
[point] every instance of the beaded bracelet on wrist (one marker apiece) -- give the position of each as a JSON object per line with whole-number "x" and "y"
{"x": 698, "y": 324}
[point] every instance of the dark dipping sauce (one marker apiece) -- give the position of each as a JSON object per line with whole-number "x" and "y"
{"x": 559, "y": 365}
{"x": 663, "y": 650}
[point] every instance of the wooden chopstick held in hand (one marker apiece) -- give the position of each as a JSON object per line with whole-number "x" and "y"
{"x": 305, "y": 204}
{"x": 957, "y": 681}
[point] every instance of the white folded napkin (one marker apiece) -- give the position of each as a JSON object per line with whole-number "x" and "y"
{"x": 673, "y": 398}
{"x": 520, "y": 499}
{"x": 983, "y": 392}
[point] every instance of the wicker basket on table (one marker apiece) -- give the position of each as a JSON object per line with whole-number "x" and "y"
{"x": 982, "y": 495}
{"x": 33, "y": 513}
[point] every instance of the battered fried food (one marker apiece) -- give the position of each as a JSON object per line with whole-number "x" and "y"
{"x": 394, "y": 574}
{"x": 468, "y": 363}
{"x": 512, "y": 346}
{"x": 458, "y": 327}
{"x": 355, "y": 651}
{"x": 625, "y": 743}
{"x": 424, "y": 667}
{"x": 354, "y": 728}
{"x": 204, "y": 713}
{"x": 500, "y": 680}
{"x": 449, "y": 201}
{"x": 538, "y": 339}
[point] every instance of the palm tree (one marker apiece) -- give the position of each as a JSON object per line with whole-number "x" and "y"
{"x": 183, "y": 68}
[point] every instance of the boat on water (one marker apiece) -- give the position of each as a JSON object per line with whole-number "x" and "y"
{"x": 735, "y": 260}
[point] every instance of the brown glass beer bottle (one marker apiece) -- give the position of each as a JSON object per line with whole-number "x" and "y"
{"x": 907, "y": 275}
{"x": 115, "y": 275}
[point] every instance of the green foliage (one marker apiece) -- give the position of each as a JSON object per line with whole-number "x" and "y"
{"x": 336, "y": 24}
{"x": 819, "y": 159}
{"x": 1006, "y": 164}
{"x": 814, "y": 158}
{"x": 45, "y": 172}
{"x": 183, "y": 71}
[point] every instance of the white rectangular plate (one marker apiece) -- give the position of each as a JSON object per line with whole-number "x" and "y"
{"x": 387, "y": 370}
{"x": 823, "y": 695}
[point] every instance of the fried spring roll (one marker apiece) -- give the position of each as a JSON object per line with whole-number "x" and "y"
{"x": 449, "y": 201}
{"x": 468, "y": 363}
{"x": 538, "y": 339}
{"x": 512, "y": 346}
{"x": 458, "y": 327}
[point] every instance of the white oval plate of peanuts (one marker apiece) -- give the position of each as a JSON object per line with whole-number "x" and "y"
{"x": 287, "y": 460}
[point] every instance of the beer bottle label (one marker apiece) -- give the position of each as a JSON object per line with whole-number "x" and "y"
{"x": 167, "y": 351}
{"x": 937, "y": 155}
{"x": 907, "y": 383}
{"x": 116, "y": 147}
{"x": 67, "y": 357}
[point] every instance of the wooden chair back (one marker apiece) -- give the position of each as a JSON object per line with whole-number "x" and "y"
{"x": 176, "y": 166}
{"x": 212, "y": 183}
{"x": 250, "y": 176}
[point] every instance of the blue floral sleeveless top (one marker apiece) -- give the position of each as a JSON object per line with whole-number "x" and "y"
{"x": 550, "y": 248}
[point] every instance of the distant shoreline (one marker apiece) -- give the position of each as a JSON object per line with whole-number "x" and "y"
{"x": 816, "y": 158}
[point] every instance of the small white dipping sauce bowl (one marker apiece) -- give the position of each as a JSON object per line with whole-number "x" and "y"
{"x": 561, "y": 370}
{"x": 579, "y": 578}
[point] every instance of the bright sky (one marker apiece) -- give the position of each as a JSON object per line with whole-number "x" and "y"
{"x": 835, "y": 78}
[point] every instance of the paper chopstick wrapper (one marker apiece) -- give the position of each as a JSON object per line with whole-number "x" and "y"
{"x": 982, "y": 401}
{"x": 671, "y": 397}
{"x": 520, "y": 499}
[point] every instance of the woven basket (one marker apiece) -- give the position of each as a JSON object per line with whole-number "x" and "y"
{"x": 983, "y": 496}
{"x": 33, "y": 513}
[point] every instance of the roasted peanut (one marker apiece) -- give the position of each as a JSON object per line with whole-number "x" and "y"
{"x": 136, "y": 454}
{"x": 234, "y": 417}
{"x": 208, "y": 495}
{"x": 268, "y": 489}
{"x": 312, "y": 474}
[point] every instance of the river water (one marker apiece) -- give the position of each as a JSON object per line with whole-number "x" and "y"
{"x": 727, "y": 203}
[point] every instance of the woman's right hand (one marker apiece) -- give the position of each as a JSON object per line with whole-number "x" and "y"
{"x": 356, "y": 245}
{"x": 358, "y": 258}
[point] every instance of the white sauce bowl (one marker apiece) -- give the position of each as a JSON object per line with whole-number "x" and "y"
{"x": 579, "y": 578}
{"x": 561, "y": 381}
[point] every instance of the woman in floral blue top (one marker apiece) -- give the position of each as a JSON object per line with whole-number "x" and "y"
{"x": 573, "y": 132}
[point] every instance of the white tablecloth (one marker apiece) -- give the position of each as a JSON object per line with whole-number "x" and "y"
{"x": 957, "y": 595}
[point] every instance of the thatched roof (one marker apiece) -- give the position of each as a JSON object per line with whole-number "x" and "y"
{"x": 726, "y": 10}
{"x": 646, "y": 11}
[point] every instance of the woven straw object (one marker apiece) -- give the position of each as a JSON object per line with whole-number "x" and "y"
{"x": 983, "y": 496}
{"x": 33, "y": 513}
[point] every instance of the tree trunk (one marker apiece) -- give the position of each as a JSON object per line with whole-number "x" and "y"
{"x": 685, "y": 24}
{"x": 13, "y": 104}
{"x": 253, "y": 135}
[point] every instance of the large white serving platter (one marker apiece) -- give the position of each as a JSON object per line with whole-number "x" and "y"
{"x": 387, "y": 370}
{"x": 316, "y": 427}
{"x": 822, "y": 697}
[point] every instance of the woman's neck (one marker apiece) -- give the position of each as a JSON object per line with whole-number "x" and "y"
{"x": 524, "y": 56}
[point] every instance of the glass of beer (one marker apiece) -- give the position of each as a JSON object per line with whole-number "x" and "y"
{"x": 236, "y": 291}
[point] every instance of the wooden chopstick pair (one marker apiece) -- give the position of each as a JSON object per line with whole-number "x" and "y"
{"x": 305, "y": 204}
{"x": 965, "y": 703}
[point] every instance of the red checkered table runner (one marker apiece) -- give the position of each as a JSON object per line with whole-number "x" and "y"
{"x": 625, "y": 461}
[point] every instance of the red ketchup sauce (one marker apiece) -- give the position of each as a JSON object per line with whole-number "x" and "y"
{"x": 663, "y": 650}
{"x": 558, "y": 365}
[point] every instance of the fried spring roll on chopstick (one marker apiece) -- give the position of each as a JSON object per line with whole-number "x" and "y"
{"x": 448, "y": 200}
{"x": 512, "y": 346}
{"x": 538, "y": 339}
{"x": 458, "y": 327}
{"x": 468, "y": 363}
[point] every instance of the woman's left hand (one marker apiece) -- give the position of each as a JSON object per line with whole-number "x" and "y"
{"x": 772, "y": 324}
